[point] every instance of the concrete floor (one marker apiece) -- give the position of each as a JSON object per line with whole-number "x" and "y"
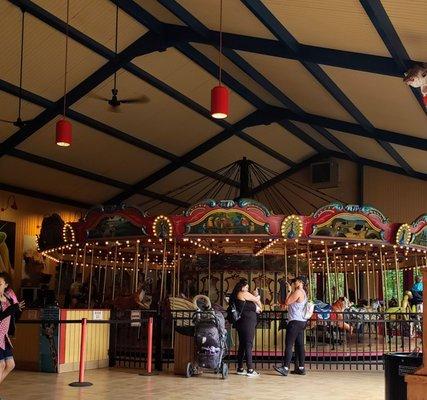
{"x": 115, "y": 384}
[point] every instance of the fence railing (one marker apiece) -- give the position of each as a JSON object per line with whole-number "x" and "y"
{"x": 350, "y": 340}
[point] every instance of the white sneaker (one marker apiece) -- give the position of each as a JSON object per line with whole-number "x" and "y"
{"x": 252, "y": 374}
{"x": 241, "y": 371}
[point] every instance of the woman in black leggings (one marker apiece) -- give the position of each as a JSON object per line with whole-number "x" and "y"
{"x": 246, "y": 304}
{"x": 295, "y": 302}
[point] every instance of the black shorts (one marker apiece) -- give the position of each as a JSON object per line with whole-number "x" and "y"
{"x": 7, "y": 353}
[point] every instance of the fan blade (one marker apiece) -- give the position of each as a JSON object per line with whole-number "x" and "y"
{"x": 136, "y": 100}
{"x": 97, "y": 97}
{"x": 7, "y": 121}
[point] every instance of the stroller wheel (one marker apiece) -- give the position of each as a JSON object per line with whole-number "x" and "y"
{"x": 224, "y": 371}
{"x": 189, "y": 372}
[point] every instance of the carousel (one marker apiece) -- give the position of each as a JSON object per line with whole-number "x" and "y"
{"x": 120, "y": 257}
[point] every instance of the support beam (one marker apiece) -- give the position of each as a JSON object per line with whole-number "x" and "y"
{"x": 270, "y": 47}
{"x": 196, "y": 26}
{"x": 275, "y": 114}
{"x": 43, "y": 196}
{"x": 91, "y": 176}
{"x": 284, "y": 36}
{"x": 113, "y": 132}
{"x": 145, "y": 44}
{"x": 379, "y": 18}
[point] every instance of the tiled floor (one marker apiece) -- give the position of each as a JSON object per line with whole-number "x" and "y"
{"x": 113, "y": 384}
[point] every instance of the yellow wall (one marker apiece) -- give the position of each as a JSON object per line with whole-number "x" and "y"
{"x": 28, "y": 218}
{"x": 400, "y": 198}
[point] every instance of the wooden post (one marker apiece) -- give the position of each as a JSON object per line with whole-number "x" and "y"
{"x": 383, "y": 277}
{"x": 91, "y": 277}
{"x": 84, "y": 263}
{"x": 310, "y": 291}
{"x": 346, "y": 279}
{"x": 296, "y": 258}
{"x": 286, "y": 262}
{"x": 113, "y": 292}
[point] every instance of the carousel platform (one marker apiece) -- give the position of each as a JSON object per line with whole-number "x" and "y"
{"x": 112, "y": 384}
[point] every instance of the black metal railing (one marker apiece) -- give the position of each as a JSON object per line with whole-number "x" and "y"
{"x": 342, "y": 340}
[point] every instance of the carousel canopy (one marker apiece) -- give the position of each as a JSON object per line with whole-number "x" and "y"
{"x": 307, "y": 80}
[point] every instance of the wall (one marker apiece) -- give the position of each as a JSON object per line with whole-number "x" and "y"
{"x": 400, "y": 198}
{"x": 28, "y": 218}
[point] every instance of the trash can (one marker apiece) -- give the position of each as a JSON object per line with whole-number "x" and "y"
{"x": 183, "y": 348}
{"x": 396, "y": 366}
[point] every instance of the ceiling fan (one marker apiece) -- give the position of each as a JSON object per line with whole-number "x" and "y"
{"x": 114, "y": 101}
{"x": 19, "y": 122}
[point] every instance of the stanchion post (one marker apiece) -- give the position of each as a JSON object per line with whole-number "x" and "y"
{"x": 149, "y": 349}
{"x": 81, "y": 382}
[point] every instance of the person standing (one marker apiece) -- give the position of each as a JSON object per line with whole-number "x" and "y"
{"x": 246, "y": 305}
{"x": 295, "y": 303}
{"x": 10, "y": 308}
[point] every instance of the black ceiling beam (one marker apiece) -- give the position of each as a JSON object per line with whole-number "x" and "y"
{"x": 191, "y": 155}
{"x": 110, "y": 131}
{"x": 185, "y": 16}
{"x": 379, "y": 18}
{"x": 274, "y": 114}
{"x": 44, "y": 196}
{"x": 147, "y": 43}
{"x": 91, "y": 176}
{"x": 284, "y": 36}
{"x": 320, "y": 55}
{"x": 157, "y": 27}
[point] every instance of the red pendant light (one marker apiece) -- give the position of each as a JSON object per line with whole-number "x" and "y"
{"x": 219, "y": 94}
{"x": 64, "y": 129}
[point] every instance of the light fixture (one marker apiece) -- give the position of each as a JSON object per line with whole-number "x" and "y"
{"x": 219, "y": 94}
{"x": 64, "y": 129}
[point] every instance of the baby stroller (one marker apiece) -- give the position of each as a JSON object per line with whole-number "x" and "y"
{"x": 210, "y": 340}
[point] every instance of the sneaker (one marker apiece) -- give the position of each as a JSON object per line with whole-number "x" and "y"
{"x": 252, "y": 373}
{"x": 299, "y": 371}
{"x": 282, "y": 370}
{"x": 241, "y": 371}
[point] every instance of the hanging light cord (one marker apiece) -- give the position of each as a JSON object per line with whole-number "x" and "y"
{"x": 66, "y": 57}
{"x": 220, "y": 43}
{"x": 115, "y": 45}
{"x": 22, "y": 63}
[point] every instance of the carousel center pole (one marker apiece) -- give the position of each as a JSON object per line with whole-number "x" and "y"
{"x": 90, "y": 277}
{"x": 383, "y": 278}
{"x": 105, "y": 276}
{"x": 367, "y": 277}
{"x": 84, "y": 262}
{"x": 209, "y": 275}
{"x": 346, "y": 279}
{"x": 286, "y": 262}
{"x": 396, "y": 265}
{"x": 356, "y": 286}
{"x": 328, "y": 272}
{"x": 114, "y": 273}
{"x": 75, "y": 264}
{"x": 337, "y": 286}
{"x": 136, "y": 266}
{"x": 310, "y": 281}
{"x": 163, "y": 270}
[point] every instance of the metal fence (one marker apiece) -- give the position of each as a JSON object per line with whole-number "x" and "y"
{"x": 344, "y": 340}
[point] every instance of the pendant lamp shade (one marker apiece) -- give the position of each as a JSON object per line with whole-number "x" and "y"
{"x": 219, "y": 102}
{"x": 64, "y": 133}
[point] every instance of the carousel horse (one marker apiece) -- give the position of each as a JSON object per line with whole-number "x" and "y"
{"x": 134, "y": 301}
{"x": 363, "y": 315}
{"x": 407, "y": 316}
{"x": 330, "y": 316}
